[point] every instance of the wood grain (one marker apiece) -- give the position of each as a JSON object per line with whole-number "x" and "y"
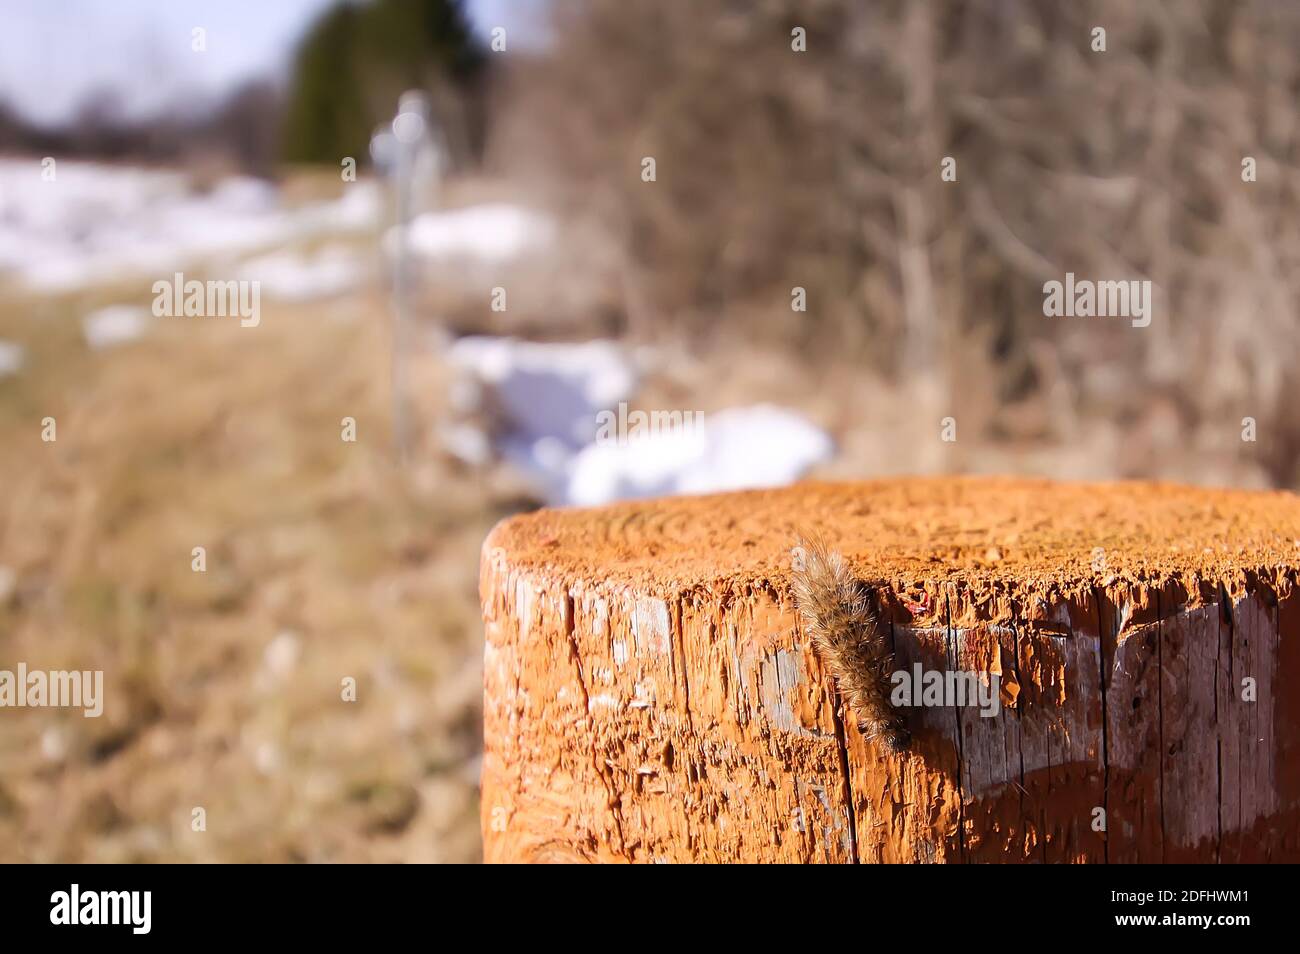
{"x": 650, "y": 695}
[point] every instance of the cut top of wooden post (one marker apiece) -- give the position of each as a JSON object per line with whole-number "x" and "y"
{"x": 978, "y": 531}
{"x": 651, "y": 692}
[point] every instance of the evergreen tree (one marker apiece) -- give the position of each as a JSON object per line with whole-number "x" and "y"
{"x": 357, "y": 58}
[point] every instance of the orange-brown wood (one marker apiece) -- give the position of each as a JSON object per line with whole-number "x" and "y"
{"x": 650, "y": 694}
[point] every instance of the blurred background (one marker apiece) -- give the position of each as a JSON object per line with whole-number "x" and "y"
{"x": 462, "y": 248}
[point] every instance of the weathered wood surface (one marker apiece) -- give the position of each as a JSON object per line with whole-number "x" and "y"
{"x": 650, "y": 696}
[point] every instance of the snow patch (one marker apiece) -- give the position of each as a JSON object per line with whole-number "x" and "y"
{"x": 95, "y": 223}
{"x": 114, "y": 325}
{"x": 542, "y": 402}
{"x": 736, "y": 449}
{"x": 12, "y": 357}
{"x": 493, "y": 232}
{"x": 293, "y": 277}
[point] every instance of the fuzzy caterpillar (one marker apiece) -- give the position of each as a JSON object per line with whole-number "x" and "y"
{"x": 848, "y": 637}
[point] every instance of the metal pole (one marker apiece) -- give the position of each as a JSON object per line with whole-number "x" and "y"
{"x": 410, "y": 132}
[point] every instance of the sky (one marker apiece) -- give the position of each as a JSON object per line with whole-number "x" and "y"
{"x": 55, "y": 53}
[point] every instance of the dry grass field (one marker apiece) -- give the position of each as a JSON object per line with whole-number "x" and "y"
{"x": 222, "y": 687}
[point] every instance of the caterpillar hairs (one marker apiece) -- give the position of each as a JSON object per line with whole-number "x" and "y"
{"x": 849, "y": 639}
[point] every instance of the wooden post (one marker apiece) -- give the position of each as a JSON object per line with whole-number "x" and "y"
{"x": 651, "y": 695}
